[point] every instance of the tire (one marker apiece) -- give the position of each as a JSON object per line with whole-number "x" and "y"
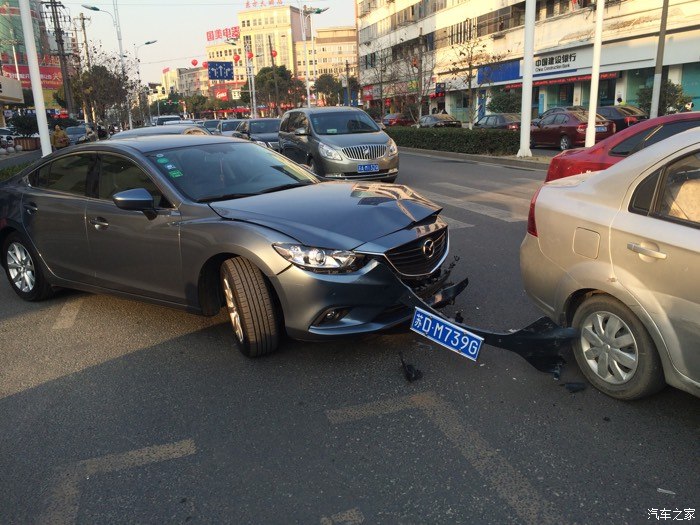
{"x": 24, "y": 270}
{"x": 312, "y": 166}
{"x": 624, "y": 364}
{"x": 252, "y": 311}
{"x": 564, "y": 142}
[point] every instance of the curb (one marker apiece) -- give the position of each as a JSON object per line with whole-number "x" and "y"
{"x": 503, "y": 161}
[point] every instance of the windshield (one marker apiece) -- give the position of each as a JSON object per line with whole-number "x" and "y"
{"x": 211, "y": 172}
{"x": 264, "y": 126}
{"x": 342, "y": 123}
{"x": 163, "y": 120}
{"x": 230, "y": 126}
{"x": 210, "y": 124}
{"x": 76, "y": 130}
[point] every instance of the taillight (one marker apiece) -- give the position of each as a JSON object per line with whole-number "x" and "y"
{"x": 514, "y": 126}
{"x": 531, "y": 224}
{"x": 581, "y": 128}
{"x": 631, "y": 120}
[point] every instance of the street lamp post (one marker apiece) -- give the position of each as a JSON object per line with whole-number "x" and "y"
{"x": 138, "y": 74}
{"x": 115, "y": 20}
{"x": 304, "y": 13}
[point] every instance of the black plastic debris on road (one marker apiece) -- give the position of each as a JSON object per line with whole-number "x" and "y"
{"x": 574, "y": 387}
{"x": 410, "y": 372}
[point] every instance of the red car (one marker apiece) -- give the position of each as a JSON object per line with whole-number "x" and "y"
{"x": 568, "y": 128}
{"x": 397, "y": 119}
{"x": 613, "y": 149}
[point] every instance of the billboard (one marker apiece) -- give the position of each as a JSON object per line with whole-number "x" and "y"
{"x": 50, "y": 76}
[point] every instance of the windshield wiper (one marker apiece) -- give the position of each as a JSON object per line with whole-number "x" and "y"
{"x": 285, "y": 187}
{"x": 224, "y": 197}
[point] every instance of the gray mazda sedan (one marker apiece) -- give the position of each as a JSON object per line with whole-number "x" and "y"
{"x": 201, "y": 222}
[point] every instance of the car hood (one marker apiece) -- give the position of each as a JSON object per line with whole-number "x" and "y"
{"x": 339, "y": 215}
{"x": 265, "y": 137}
{"x": 354, "y": 139}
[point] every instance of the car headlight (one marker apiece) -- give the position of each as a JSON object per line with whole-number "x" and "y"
{"x": 318, "y": 259}
{"x": 328, "y": 152}
{"x": 261, "y": 143}
{"x": 392, "y": 149}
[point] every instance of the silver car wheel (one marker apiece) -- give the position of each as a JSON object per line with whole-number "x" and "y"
{"x": 233, "y": 311}
{"x": 609, "y": 347}
{"x": 21, "y": 267}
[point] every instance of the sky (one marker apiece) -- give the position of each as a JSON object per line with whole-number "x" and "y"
{"x": 180, "y": 26}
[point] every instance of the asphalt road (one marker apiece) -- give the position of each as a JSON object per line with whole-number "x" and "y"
{"x": 115, "y": 411}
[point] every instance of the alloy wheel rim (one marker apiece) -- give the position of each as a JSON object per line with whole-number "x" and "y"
{"x": 20, "y": 266}
{"x": 564, "y": 143}
{"x": 233, "y": 311}
{"x": 609, "y": 347}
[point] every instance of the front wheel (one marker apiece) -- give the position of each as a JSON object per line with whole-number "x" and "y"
{"x": 564, "y": 142}
{"x": 23, "y": 269}
{"x": 614, "y": 351}
{"x": 251, "y": 309}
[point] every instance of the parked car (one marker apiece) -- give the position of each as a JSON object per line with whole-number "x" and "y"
{"x": 263, "y": 131}
{"x": 339, "y": 143}
{"x": 439, "y": 120}
{"x": 397, "y": 119}
{"x": 566, "y": 129}
{"x": 6, "y": 133}
{"x": 615, "y": 254}
{"x": 212, "y": 126}
{"x": 613, "y": 149}
{"x": 201, "y": 222}
{"x": 623, "y": 115}
{"x": 228, "y": 128}
{"x": 162, "y": 119}
{"x": 80, "y": 134}
{"x": 170, "y": 129}
{"x": 499, "y": 121}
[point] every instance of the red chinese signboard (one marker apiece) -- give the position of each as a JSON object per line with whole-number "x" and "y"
{"x": 565, "y": 80}
{"x": 50, "y": 76}
{"x": 262, "y": 3}
{"x": 221, "y": 94}
{"x": 226, "y": 33}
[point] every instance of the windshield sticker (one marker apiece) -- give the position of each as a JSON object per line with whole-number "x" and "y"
{"x": 162, "y": 160}
{"x": 175, "y": 173}
{"x": 331, "y": 131}
{"x": 159, "y": 155}
{"x": 170, "y": 167}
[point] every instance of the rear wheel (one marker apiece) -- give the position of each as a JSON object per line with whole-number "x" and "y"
{"x": 614, "y": 351}
{"x": 564, "y": 142}
{"x": 24, "y": 270}
{"x": 252, "y": 312}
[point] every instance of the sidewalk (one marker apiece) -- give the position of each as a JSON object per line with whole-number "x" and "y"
{"x": 540, "y": 162}
{"x": 13, "y": 159}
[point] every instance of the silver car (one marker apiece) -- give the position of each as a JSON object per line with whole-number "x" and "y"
{"x": 616, "y": 254}
{"x": 339, "y": 143}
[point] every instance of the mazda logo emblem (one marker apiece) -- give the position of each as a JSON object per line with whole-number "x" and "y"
{"x": 429, "y": 249}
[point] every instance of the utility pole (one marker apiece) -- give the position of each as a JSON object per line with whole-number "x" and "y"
{"x": 347, "y": 82}
{"x": 595, "y": 73}
{"x": 528, "y": 62}
{"x": 58, "y": 33}
{"x": 80, "y": 70}
{"x": 85, "y": 40}
{"x": 658, "y": 68}
{"x": 274, "y": 75}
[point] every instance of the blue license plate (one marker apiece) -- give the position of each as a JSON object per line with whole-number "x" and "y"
{"x": 446, "y": 334}
{"x": 367, "y": 168}
{"x": 601, "y": 129}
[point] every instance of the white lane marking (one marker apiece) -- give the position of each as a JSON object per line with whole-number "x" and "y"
{"x": 489, "y": 196}
{"x": 465, "y": 204}
{"x": 65, "y": 496}
{"x": 454, "y": 224}
{"x": 469, "y": 161}
{"x": 512, "y": 486}
{"x": 68, "y": 314}
{"x": 347, "y": 517}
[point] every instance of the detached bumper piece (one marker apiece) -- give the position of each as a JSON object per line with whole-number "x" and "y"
{"x": 538, "y": 343}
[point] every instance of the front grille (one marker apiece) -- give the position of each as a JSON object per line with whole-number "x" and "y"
{"x": 367, "y": 152}
{"x": 411, "y": 259}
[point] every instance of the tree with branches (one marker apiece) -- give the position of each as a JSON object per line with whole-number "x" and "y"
{"x": 377, "y": 68}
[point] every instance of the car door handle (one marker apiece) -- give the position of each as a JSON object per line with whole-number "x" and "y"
{"x": 31, "y": 207}
{"x": 99, "y": 223}
{"x": 638, "y": 248}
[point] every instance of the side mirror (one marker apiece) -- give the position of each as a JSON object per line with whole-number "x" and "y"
{"x": 137, "y": 199}
{"x": 301, "y": 131}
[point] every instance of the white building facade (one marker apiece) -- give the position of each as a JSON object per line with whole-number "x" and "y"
{"x": 407, "y": 47}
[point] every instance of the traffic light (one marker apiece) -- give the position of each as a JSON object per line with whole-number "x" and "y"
{"x": 162, "y": 91}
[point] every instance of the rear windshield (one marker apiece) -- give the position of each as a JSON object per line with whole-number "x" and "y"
{"x": 210, "y": 124}
{"x": 163, "y": 120}
{"x": 440, "y": 116}
{"x": 264, "y": 126}
{"x": 342, "y": 123}
{"x": 511, "y": 117}
{"x": 630, "y": 110}
{"x": 76, "y": 130}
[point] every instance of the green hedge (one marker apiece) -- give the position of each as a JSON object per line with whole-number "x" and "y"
{"x": 6, "y": 173}
{"x": 458, "y": 140}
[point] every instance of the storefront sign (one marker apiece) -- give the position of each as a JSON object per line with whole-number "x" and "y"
{"x": 565, "y": 80}
{"x": 262, "y": 3}
{"x": 221, "y": 94}
{"x": 11, "y": 90}
{"x": 50, "y": 76}
{"x": 555, "y": 63}
{"x": 224, "y": 34}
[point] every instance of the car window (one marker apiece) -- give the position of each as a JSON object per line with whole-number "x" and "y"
{"x": 303, "y": 122}
{"x": 229, "y": 125}
{"x": 549, "y": 119}
{"x": 68, "y": 174}
{"x": 560, "y": 119}
{"x": 284, "y": 125}
{"x": 264, "y": 126}
{"x": 668, "y": 130}
{"x": 120, "y": 174}
{"x": 223, "y": 171}
{"x": 342, "y": 123}
{"x": 607, "y": 112}
{"x": 643, "y": 196}
{"x": 680, "y": 190}
{"x": 631, "y": 144}
{"x": 480, "y": 122}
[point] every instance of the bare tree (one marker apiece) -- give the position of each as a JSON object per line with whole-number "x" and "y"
{"x": 377, "y": 69}
{"x": 415, "y": 70}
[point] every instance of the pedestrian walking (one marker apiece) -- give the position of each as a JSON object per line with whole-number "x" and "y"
{"x": 59, "y": 139}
